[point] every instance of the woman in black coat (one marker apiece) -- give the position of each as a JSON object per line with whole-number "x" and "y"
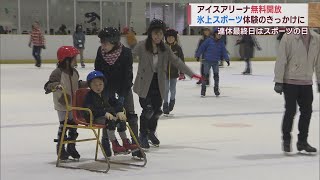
{"x": 115, "y": 61}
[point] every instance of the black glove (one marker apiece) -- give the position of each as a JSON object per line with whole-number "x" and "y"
{"x": 198, "y": 59}
{"x": 278, "y": 88}
{"x": 319, "y": 88}
{"x": 228, "y": 62}
{"x": 43, "y": 47}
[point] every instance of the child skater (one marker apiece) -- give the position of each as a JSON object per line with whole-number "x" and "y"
{"x": 65, "y": 75}
{"x": 99, "y": 102}
{"x": 172, "y": 72}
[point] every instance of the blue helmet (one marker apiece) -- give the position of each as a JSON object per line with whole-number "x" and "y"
{"x": 94, "y": 74}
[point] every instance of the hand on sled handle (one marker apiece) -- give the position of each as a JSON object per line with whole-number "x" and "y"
{"x": 197, "y": 76}
{"x": 278, "y": 88}
{"x": 121, "y": 116}
{"x": 109, "y": 116}
{"x": 58, "y": 87}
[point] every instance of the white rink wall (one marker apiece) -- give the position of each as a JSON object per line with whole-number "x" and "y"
{"x": 15, "y": 47}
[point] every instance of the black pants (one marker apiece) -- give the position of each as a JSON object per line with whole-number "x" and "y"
{"x": 152, "y": 102}
{"x": 36, "y": 51}
{"x": 303, "y": 95}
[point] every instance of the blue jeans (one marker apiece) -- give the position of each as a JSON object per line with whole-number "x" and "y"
{"x": 36, "y": 51}
{"x": 206, "y": 69}
{"x": 170, "y": 87}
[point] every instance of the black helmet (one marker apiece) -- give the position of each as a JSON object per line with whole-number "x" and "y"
{"x": 109, "y": 34}
{"x": 171, "y": 32}
{"x": 156, "y": 24}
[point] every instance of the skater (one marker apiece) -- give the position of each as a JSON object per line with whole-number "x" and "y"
{"x": 172, "y": 72}
{"x": 115, "y": 62}
{"x": 68, "y": 77}
{"x": 103, "y": 113}
{"x": 38, "y": 42}
{"x": 154, "y": 57}
{"x": 248, "y": 42}
{"x": 79, "y": 40}
{"x": 206, "y": 33}
{"x": 224, "y": 39}
{"x": 297, "y": 58}
{"x": 213, "y": 49}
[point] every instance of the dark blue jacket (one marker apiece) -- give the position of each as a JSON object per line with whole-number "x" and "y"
{"x": 212, "y": 50}
{"x": 100, "y": 105}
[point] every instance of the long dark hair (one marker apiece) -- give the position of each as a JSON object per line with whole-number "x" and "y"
{"x": 65, "y": 65}
{"x": 149, "y": 46}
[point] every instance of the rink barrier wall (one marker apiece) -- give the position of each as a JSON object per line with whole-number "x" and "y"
{"x": 15, "y": 49}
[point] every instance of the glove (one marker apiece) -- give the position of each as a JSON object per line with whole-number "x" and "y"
{"x": 43, "y": 47}
{"x": 259, "y": 48}
{"x": 181, "y": 76}
{"x": 278, "y": 88}
{"x": 29, "y": 44}
{"x": 196, "y": 76}
{"x": 198, "y": 59}
{"x": 228, "y": 62}
{"x": 319, "y": 88}
{"x": 121, "y": 116}
{"x": 109, "y": 116}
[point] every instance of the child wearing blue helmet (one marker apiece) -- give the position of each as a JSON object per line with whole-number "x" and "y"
{"x": 107, "y": 111}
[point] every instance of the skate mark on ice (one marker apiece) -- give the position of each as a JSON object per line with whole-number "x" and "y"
{"x": 252, "y": 157}
{"x": 188, "y": 116}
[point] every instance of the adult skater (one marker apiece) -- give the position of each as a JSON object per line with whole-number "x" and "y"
{"x": 115, "y": 62}
{"x": 206, "y": 33}
{"x": 297, "y": 58}
{"x": 248, "y": 42}
{"x": 79, "y": 40}
{"x": 154, "y": 57}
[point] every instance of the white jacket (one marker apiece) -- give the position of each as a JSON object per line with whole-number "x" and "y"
{"x": 294, "y": 61}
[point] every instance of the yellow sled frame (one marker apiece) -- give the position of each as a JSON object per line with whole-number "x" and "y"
{"x": 96, "y": 131}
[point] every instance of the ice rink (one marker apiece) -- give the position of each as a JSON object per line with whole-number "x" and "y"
{"x": 233, "y": 137}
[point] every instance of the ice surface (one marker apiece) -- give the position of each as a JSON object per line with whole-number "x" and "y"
{"x": 233, "y": 137}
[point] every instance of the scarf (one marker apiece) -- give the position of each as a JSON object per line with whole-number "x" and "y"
{"x": 112, "y": 57}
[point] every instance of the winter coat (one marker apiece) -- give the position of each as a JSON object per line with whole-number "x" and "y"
{"x": 294, "y": 62}
{"x": 201, "y": 40}
{"x": 248, "y": 42}
{"x": 145, "y": 71}
{"x": 173, "y": 72}
{"x": 100, "y": 105}
{"x": 79, "y": 40}
{"x": 212, "y": 50}
{"x": 70, "y": 83}
{"x": 119, "y": 75}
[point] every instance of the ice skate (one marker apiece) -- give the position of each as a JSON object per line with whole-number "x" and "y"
{"x": 305, "y": 147}
{"x": 153, "y": 139}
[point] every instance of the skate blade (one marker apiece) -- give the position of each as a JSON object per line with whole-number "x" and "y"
{"x": 69, "y": 160}
{"x": 154, "y": 145}
{"x": 168, "y": 115}
{"x": 288, "y": 153}
{"x": 121, "y": 153}
{"x": 305, "y": 153}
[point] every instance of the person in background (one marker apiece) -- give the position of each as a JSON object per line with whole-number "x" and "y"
{"x": 248, "y": 42}
{"x": 206, "y": 33}
{"x": 171, "y": 37}
{"x": 79, "y": 40}
{"x": 37, "y": 42}
{"x": 213, "y": 49}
